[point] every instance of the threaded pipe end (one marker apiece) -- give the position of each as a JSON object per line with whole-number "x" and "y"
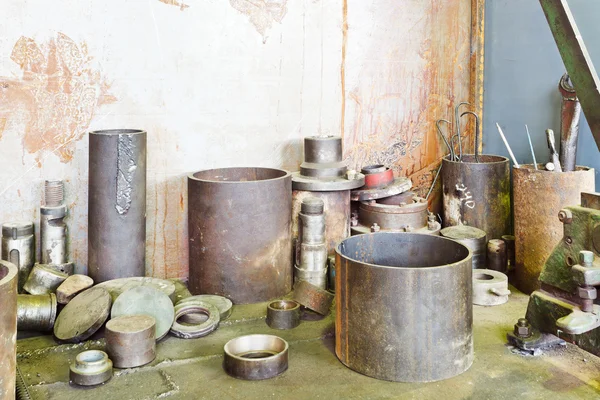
{"x": 53, "y": 193}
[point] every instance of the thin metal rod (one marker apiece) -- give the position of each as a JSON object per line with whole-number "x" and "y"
{"x": 457, "y": 121}
{"x": 531, "y": 147}
{"x": 434, "y": 180}
{"x": 437, "y": 124}
{"x": 507, "y": 146}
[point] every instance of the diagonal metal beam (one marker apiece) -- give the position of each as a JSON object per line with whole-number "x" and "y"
{"x": 576, "y": 59}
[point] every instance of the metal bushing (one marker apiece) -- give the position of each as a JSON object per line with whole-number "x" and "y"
{"x": 146, "y": 300}
{"x": 490, "y": 288}
{"x": 496, "y": 255}
{"x": 91, "y": 367}
{"x": 475, "y": 240}
{"x": 18, "y": 247}
{"x": 255, "y": 357}
{"x": 191, "y": 331}
{"x": 130, "y": 340}
{"x": 117, "y": 286}
{"x": 377, "y": 176}
{"x": 313, "y": 297}
{"x": 36, "y": 312}
{"x": 44, "y": 279}
{"x": 283, "y": 314}
{"x": 8, "y": 328}
{"x": 223, "y": 304}
{"x": 83, "y": 316}
{"x": 53, "y": 234}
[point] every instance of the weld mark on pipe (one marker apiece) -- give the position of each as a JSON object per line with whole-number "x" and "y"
{"x": 126, "y": 167}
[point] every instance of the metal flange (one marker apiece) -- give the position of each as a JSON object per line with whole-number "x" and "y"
{"x": 91, "y": 367}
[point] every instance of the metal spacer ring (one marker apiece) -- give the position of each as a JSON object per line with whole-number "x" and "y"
{"x": 195, "y": 330}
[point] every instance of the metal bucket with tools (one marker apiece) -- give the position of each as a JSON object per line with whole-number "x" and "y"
{"x": 477, "y": 193}
{"x": 538, "y": 196}
{"x": 240, "y": 234}
{"x": 404, "y": 306}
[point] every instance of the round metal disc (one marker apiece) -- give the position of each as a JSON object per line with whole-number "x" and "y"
{"x": 223, "y": 304}
{"x": 400, "y": 185}
{"x": 117, "y": 286}
{"x": 146, "y": 300}
{"x": 83, "y": 316}
{"x": 300, "y": 182}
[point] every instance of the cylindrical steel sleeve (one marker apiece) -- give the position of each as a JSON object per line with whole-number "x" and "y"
{"x": 239, "y": 222}
{"x": 538, "y": 196}
{"x": 117, "y": 204}
{"x": 8, "y": 329}
{"x": 404, "y": 306}
{"x": 477, "y": 194}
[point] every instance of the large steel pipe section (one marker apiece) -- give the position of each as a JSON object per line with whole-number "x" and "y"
{"x": 8, "y": 329}
{"x": 418, "y": 289}
{"x": 117, "y": 204}
{"x": 240, "y": 233}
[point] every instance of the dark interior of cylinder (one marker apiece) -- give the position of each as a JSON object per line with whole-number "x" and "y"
{"x": 483, "y": 277}
{"x": 91, "y": 356}
{"x": 239, "y": 174}
{"x": 403, "y": 250}
{"x": 483, "y": 158}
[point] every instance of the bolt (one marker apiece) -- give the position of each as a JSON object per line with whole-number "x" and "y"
{"x": 351, "y": 174}
{"x": 569, "y": 240}
{"x": 522, "y": 328}
{"x": 354, "y": 221}
{"x": 565, "y": 216}
{"x": 432, "y": 225}
{"x": 53, "y": 193}
{"x": 408, "y": 228}
{"x": 586, "y": 258}
{"x": 375, "y": 227}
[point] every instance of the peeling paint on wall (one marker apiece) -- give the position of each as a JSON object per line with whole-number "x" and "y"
{"x": 59, "y": 90}
{"x": 179, "y": 4}
{"x": 261, "y": 13}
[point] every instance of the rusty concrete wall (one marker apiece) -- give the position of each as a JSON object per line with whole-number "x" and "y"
{"x": 222, "y": 83}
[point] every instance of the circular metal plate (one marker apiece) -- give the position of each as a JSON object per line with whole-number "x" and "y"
{"x": 83, "y": 316}
{"x": 117, "y": 286}
{"x": 146, "y": 300}
{"x": 300, "y": 182}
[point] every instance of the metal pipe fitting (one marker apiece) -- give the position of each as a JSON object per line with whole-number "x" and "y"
{"x": 44, "y": 279}
{"x": 419, "y": 290}
{"x": 8, "y": 329}
{"x": 195, "y": 330}
{"x": 490, "y": 288}
{"x": 117, "y": 204}
{"x": 311, "y": 246}
{"x": 496, "y": 255}
{"x": 255, "y": 357}
{"x": 313, "y": 297}
{"x": 53, "y": 230}
{"x": 475, "y": 240}
{"x": 91, "y": 367}
{"x": 239, "y": 222}
{"x": 283, "y": 314}
{"x": 36, "y": 312}
{"x": 18, "y": 247}
{"x": 130, "y": 340}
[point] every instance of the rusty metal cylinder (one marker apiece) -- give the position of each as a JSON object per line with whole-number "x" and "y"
{"x": 8, "y": 329}
{"x": 538, "y": 196}
{"x": 477, "y": 194}
{"x": 239, "y": 222}
{"x": 418, "y": 290}
{"x": 497, "y": 255}
{"x": 36, "y": 312}
{"x": 117, "y": 204}
{"x": 475, "y": 240}
{"x": 18, "y": 247}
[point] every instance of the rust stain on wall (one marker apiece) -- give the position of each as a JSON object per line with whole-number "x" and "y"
{"x": 343, "y": 65}
{"x": 59, "y": 90}
{"x": 261, "y": 13}
{"x": 181, "y": 5}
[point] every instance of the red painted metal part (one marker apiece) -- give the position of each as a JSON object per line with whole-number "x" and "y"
{"x": 379, "y": 179}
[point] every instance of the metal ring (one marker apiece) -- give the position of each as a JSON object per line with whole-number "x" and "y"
{"x": 283, "y": 314}
{"x": 91, "y": 367}
{"x": 195, "y": 330}
{"x": 255, "y": 357}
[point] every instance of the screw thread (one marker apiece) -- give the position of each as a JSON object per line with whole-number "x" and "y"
{"x": 53, "y": 193}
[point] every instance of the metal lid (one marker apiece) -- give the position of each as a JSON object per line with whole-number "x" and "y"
{"x": 312, "y": 205}
{"x": 17, "y": 229}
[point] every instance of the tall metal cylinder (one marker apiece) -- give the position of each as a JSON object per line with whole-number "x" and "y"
{"x": 477, "y": 194}
{"x": 418, "y": 290}
{"x": 239, "y": 222}
{"x": 18, "y": 247}
{"x": 117, "y": 204}
{"x": 311, "y": 248}
{"x": 8, "y": 329}
{"x": 53, "y": 230}
{"x": 475, "y": 240}
{"x": 538, "y": 196}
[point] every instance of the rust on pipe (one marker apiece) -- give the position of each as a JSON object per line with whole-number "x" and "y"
{"x": 240, "y": 237}
{"x": 538, "y": 196}
{"x": 8, "y": 329}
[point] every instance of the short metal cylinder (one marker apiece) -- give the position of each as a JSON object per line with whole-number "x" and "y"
{"x": 475, "y": 240}
{"x": 255, "y": 357}
{"x": 477, "y": 194}
{"x": 117, "y": 204}
{"x": 91, "y": 368}
{"x": 419, "y": 290}
{"x": 239, "y": 222}
{"x": 323, "y": 157}
{"x": 36, "y": 312}
{"x": 8, "y": 329}
{"x": 538, "y": 197}
{"x": 283, "y": 314}
{"x": 53, "y": 235}
{"x": 44, "y": 279}
{"x": 311, "y": 247}
{"x": 18, "y": 247}
{"x": 497, "y": 259}
{"x": 336, "y": 206}
{"x": 490, "y": 288}
{"x": 130, "y": 340}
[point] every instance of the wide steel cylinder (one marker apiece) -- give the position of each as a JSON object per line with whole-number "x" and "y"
{"x": 239, "y": 222}
{"x": 8, "y": 329}
{"x": 117, "y": 204}
{"x": 477, "y": 194}
{"x": 404, "y": 306}
{"x": 538, "y": 196}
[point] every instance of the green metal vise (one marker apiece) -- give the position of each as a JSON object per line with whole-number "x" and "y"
{"x": 565, "y": 304}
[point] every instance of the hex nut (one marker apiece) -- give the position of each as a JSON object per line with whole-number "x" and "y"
{"x": 587, "y": 292}
{"x": 523, "y": 328}
{"x": 565, "y": 216}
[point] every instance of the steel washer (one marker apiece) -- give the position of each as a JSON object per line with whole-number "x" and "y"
{"x": 195, "y": 330}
